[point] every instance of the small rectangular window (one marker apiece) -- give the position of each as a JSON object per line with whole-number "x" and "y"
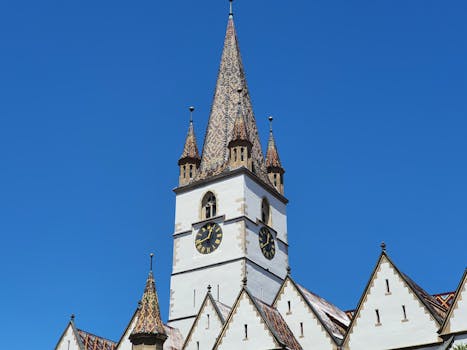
{"x": 207, "y": 321}
{"x": 289, "y": 309}
{"x": 301, "y": 329}
{"x": 404, "y": 313}
{"x": 194, "y": 297}
{"x": 388, "y": 290}
{"x": 246, "y": 331}
{"x": 197, "y": 345}
{"x": 378, "y": 319}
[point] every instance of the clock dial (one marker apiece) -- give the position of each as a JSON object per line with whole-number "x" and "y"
{"x": 208, "y": 238}
{"x": 266, "y": 243}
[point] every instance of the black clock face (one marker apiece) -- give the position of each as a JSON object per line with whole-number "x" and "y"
{"x": 266, "y": 243}
{"x": 208, "y": 238}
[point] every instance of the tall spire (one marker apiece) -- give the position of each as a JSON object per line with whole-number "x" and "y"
{"x": 240, "y": 132}
{"x": 149, "y": 329}
{"x": 224, "y": 111}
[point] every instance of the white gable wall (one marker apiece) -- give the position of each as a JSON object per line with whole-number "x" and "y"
{"x": 314, "y": 335}
{"x": 204, "y": 332}
{"x": 259, "y": 337}
{"x": 458, "y": 320}
{"x": 393, "y": 331}
{"x": 125, "y": 343}
{"x": 68, "y": 341}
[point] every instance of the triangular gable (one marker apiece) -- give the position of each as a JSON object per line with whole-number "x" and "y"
{"x": 124, "y": 342}
{"x": 212, "y": 308}
{"x": 327, "y": 315}
{"x": 458, "y": 309}
{"x": 424, "y": 302}
{"x": 271, "y": 330}
{"x": 70, "y": 334}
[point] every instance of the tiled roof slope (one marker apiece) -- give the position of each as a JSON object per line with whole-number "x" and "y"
{"x": 219, "y": 132}
{"x": 278, "y": 326}
{"x": 149, "y": 318}
{"x": 436, "y": 309}
{"x": 93, "y": 342}
{"x": 333, "y": 318}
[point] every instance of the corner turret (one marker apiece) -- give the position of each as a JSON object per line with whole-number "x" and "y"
{"x": 273, "y": 163}
{"x": 190, "y": 160}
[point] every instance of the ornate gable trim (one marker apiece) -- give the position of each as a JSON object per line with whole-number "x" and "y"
{"x": 288, "y": 279}
{"x": 462, "y": 287}
{"x": 404, "y": 278}
{"x": 257, "y": 309}
{"x": 207, "y": 298}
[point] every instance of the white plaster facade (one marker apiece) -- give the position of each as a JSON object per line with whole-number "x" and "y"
{"x": 380, "y": 322}
{"x": 69, "y": 340}
{"x": 239, "y": 198}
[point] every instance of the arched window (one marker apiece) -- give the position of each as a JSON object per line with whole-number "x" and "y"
{"x": 191, "y": 172}
{"x": 209, "y": 206}
{"x": 235, "y": 154}
{"x": 184, "y": 171}
{"x": 265, "y": 211}
{"x": 242, "y": 153}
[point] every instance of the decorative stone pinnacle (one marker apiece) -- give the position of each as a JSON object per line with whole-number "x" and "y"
{"x": 209, "y": 288}
{"x": 244, "y": 281}
{"x": 289, "y": 270}
{"x": 72, "y": 317}
{"x": 383, "y": 247}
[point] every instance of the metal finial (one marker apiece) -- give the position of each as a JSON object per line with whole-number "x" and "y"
{"x": 244, "y": 281}
{"x": 289, "y": 270}
{"x": 191, "y": 108}
{"x": 151, "y": 256}
{"x": 270, "y": 122}
{"x": 383, "y": 247}
{"x": 72, "y": 317}
{"x": 209, "y": 289}
{"x": 231, "y": 8}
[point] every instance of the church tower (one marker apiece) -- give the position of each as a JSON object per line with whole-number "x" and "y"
{"x": 230, "y": 218}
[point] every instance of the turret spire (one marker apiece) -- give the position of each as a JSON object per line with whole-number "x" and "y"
{"x": 190, "y": 160}
{"x": 273, "y": 162}
{"x": 149, "y": 329}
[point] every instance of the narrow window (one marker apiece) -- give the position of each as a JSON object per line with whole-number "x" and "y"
{"x": 388, "y": 290}
{"x": 242, "y": 153}
{"x": 378, "y": 319}
{"x": 197, "y": 345}
{"x": 265, "y": 211}
{"x": 246, "y": 331}
{"x": 207, "y": 324}
{"x": 218, "y": 292}
{"x": 194, "y": 297}
{"x": 301, "y": 329}
{"x": 235, "y": 154}
{"x": 275, "y": 179}
{"x": 191, "y": 171}
{"x": 288, "y": 307}
{"x": 209, "y": 205}
{"x": 184, "y": 171}
{"x": 404, "y": 313}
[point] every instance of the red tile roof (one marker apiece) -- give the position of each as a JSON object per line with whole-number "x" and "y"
{"x": 93, "y": 342}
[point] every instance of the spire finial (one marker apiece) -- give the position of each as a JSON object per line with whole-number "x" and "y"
{"x": 383, "y": 247}
{"x": 72, "y": 318}
{"x": 270, "y": 122}
{"x": 244, "y": 281}
{"x": 191, "y": 108}
{"x": 151, "y": 256}
{"x": 289, "y": 270}
{"x": 231, "y": 9}
{"x": 209, "y": 289}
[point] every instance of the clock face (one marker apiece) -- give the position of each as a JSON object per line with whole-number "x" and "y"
{"x": 208, "y": 238}
{"x": 266, "y": 243}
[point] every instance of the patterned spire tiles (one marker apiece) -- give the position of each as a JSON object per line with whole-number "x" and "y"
{"x": 272, "y": 156}
{"x": 224, "y": 111}
{"x": 149, "y": 319}
{"x": 190, "y": 151}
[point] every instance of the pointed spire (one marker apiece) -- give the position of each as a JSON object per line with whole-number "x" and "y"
{"x": 224, "y": 112}
{"x": 231, "y": 9}
{"x": 272, "y": 156}
{"x": 190, "y": 151}
{"x": 149, "y": 328}
{"x": 239, "y": 131}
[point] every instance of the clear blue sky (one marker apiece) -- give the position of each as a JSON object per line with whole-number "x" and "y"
{"x": 371, "y": 120}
